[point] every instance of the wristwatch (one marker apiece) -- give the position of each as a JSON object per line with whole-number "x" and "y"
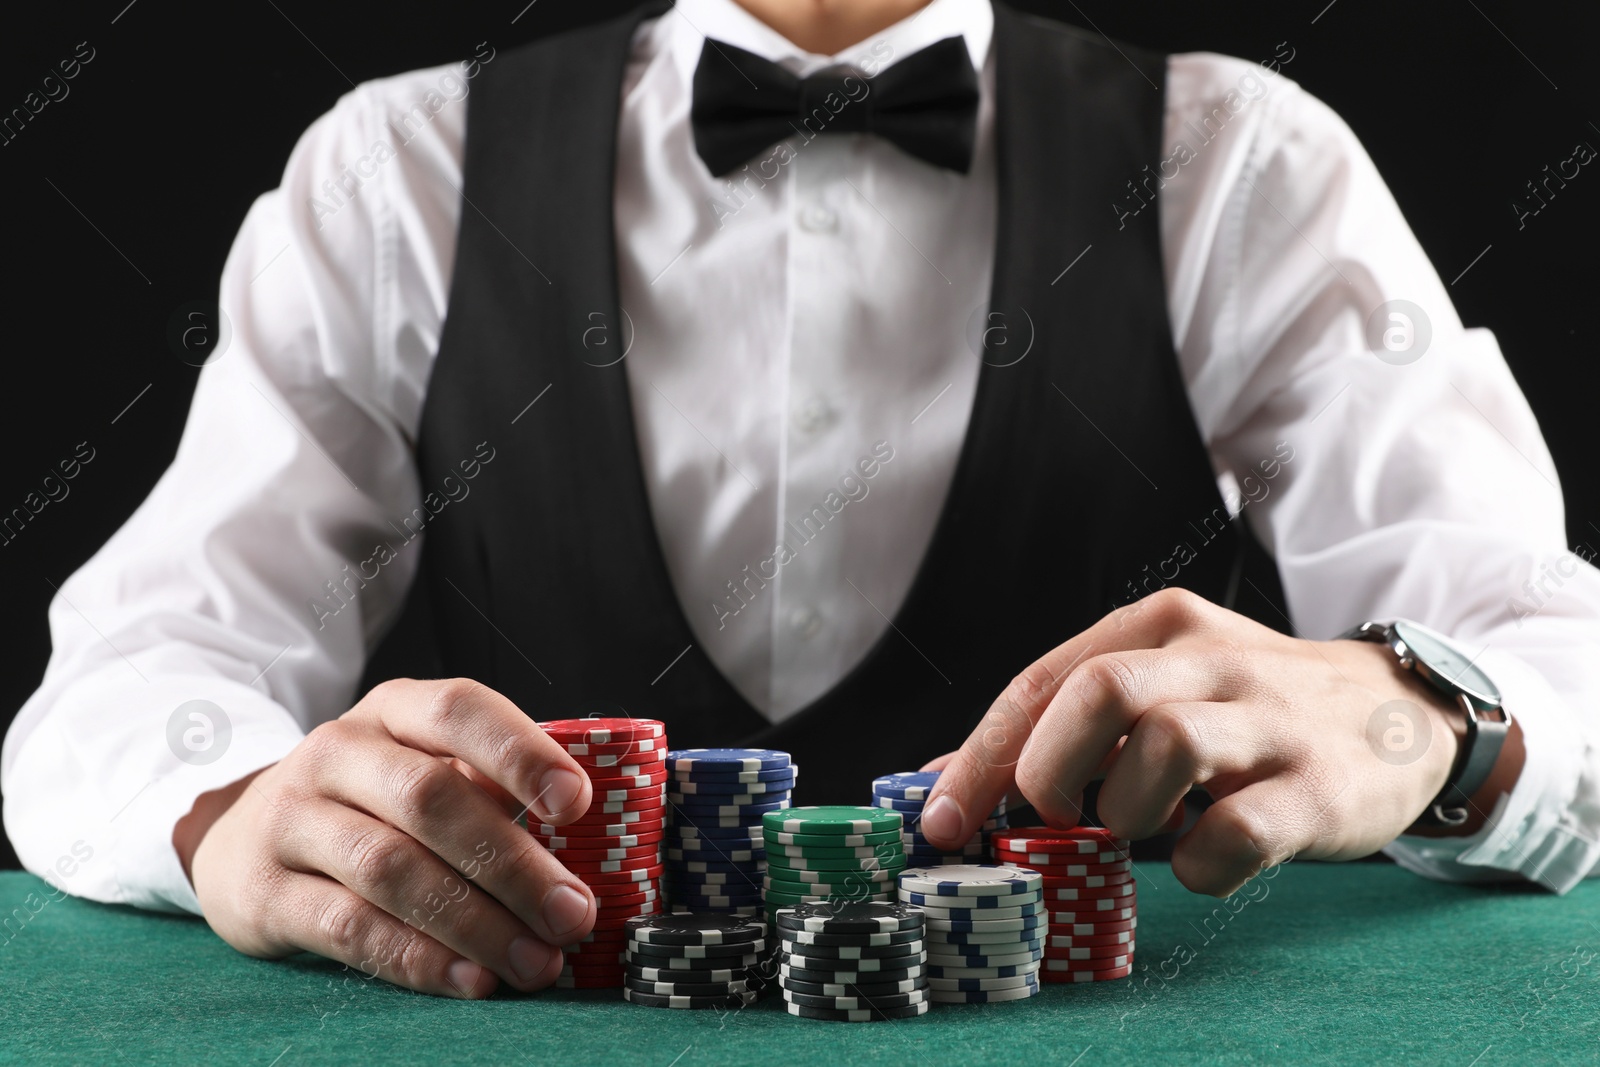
{"x": 1443, "y": 667}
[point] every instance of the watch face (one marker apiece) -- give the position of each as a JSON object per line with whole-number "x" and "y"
{"x": 1441, "y": 659}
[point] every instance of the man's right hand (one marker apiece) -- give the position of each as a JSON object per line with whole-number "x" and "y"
{"x": 386, "y": 840}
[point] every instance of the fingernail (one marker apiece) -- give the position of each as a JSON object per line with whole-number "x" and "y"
{"x": 564, "y": 910}
{"x": 465, "y": 976}
{"x": 941, "y": 820}
{"x": 557, "y": 790}
{"x": 529, "y": 958}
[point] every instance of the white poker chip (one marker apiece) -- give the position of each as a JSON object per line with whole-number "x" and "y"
{"x": 954, "y": 963}
{"x": 996, "y": 996}
{"x": 971, "y": 880}
{"x": 995, "y": 928}
{"x": 961, "y": 985}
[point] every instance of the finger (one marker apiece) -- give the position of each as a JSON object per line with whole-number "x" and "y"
{"x": 1171, "y": 749}
{"x": 507, "y": 803}
{"x": 978, "y": 776}
{"x": 330, "y": 920}
{"x": 472, "y": 722}
{"x": 394, "y": 872}
{"x": 1014, "y": 796}
{"x": 1240, "y": 836}
{"x": 427, "y": 799}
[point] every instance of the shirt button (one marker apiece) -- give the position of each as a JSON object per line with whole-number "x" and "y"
{"x": 806, "y": 622}
{"x": 812, "y": 415}
{"x": 818, "y": 218}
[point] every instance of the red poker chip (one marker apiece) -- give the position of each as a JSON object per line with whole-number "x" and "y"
{"x": 645, "y": 803}
{"x": 631, "y": 827}
{"x": 1086, "y": 976}
{"x": 1046, "y": 839}
{"x": 642, "y": 746}
{"x": 1119, "y": 891}
{"x": 561, "y": 843}
{"x": 1085, "y": 881}
{"x": 1092, "y": 907}
{"x": 1068, "y": 928}
{"x": 1058, "y": 966}
{"x": 1088, "y": 940}
{"x": 593, "y": 970}
{"x": 610, "y": 796}
{"x": 616, "y": 916}
{"x": 622, "y": 764}
{"x": 599, "y": 872}
{"x": 603, "y": 781}
{"x": 606, "y": 855}
{"x": 1064, "y": 870}
{"x": 603, "y": 731}
{"x": 1079, "y": 918}
{"x": 624, "y": 895}
{"x": 635, "y": 876}
{"x": 1045, "y": 862}
{"x": 1090, "y": 954}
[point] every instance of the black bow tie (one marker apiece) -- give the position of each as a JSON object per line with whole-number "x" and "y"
{"x": 927, "y": 104}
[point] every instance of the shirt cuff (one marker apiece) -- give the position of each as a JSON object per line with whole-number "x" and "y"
{"x": 1547, "y": 829}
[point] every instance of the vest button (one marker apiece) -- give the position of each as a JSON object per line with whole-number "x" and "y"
{"x": 806, "y": 622}
{"x": 818, "y": 218}
{"x": 812, "y": 415}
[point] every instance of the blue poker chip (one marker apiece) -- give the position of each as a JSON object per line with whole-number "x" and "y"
{"x": 909, "y": 807}
{"x": 725, "y": 760}
{"x": 771, "y": 774}
{"x": 709, "y": 806}
{"x": 907, "y": 785}
{"x": 703, "y": 801}
{"x": 725, "y": 787}
{"x": 712, "y": 862}
{"x": 685, "y": 832}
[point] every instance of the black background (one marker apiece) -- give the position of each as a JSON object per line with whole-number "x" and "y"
{"x": 120, "y": 201}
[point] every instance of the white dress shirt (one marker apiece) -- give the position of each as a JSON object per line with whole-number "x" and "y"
{"x": 779, "y": 335}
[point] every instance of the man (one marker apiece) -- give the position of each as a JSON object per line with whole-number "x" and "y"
{"x": 808, "y": 413}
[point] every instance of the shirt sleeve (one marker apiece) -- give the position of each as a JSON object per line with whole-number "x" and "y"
{"x": 1382, "y": 452}
{"x": 250, "y": 580}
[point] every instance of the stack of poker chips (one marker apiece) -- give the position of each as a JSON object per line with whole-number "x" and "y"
{"x": 852, "y": 962}
{"x": 693, "y": 961}
{"x": 1089, "y": 897}
{"x": 985, "y": 930}
{"x": 615, "y": 847}
{"x": 906, "y": 793}
{"x": 838, "y": 854}
{"x": 716, "y": 798}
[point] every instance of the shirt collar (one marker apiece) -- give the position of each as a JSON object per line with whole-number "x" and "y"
{"x": 692, "y": 21}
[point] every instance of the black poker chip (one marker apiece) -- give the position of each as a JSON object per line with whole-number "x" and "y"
{"x": 743, "y": 948}
{"x": 859, "y": 917}
{"x": 695, "y": 928}
{"x": 686, "y": 963}
{"x": 686, "y": 989}
{"x": 674, "y": 974}
{"x": 854, "y": 989}
{"x": 853, "y": 952}
{"x": 787, "y": 974}
{"x": 861, "y": 1015}
{"x": 890, "y": 937}
{"x": 882, "y": 1003}
{"x": 822, "y": 963}
{"x": 656, "y": 1000}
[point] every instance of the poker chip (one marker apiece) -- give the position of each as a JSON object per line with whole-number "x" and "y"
{"x": 1086, "y": 976}
{"x": 907, "y": 792}
{"x": 729, "y": 792}
{"x": 796, "y": 879}
{"x": 1087, "y": 940}
{"x": 970, "y": 880}
{"x": 710, "y": 950}
{"x": 879, "y": 939}
{"x": 690, "y": 929}
{"x": 871, "y": 860}
{"x": 885, "y": 837}
{"x": 898, "y": 961}
{"x": 1087, "y": 966}
{"x": 850, "y": 919}
{"x": 806, "y": 975}
{"x": 857, "y": 1015}
{"x": 725, "y": 760}
{"x": 654, "y": 1000}
{"x": 1091, "y": 953}
{"x": 708, "y": 974}
{"x": 690, "y": 963}
{"x": 1067, "y": 870}
{"x": 985, "y": 928}
{"x": 853, "y": 989}
{"x": 832, "y": 819}
{"x": 602, "y": 730}
{"x": 974, "y": 985}
{"x": 1079, "y": 839}
{"x": 858, "y": 951}
{"x": 1091, "y": 918}
{"x": 615, "y": 846}
{"x": 984, "y": 996}
{"x": 881, "y": 1002}
{"x": 909, "y": 785}
{"x": 1095, "y": 893}
{"x": 727, "y": 777}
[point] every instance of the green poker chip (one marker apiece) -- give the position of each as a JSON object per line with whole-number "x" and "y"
{"x": 834, "y": 840}
{"x": 889, "y": 849}
{"x": 832, "y": 820}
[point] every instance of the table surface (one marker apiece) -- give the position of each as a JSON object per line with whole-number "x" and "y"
{"x": 1353, "y": 963}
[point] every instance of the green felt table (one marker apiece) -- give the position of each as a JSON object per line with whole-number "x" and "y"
{"x": 1356, "y": 963}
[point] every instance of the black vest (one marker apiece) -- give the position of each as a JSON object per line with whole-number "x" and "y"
{"x": 1081, "y": 470}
